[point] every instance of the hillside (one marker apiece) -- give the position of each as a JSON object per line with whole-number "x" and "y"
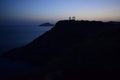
{"x": 73, "y": 49}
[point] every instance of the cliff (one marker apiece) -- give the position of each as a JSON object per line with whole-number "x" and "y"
{"x": 73, "y": 49}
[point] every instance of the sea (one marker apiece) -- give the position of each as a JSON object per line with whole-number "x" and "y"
{"x": 14, "y": 36}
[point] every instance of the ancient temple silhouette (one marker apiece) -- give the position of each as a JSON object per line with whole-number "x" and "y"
{"x": 69, "y": 18}
{"x": 72, "y": 18}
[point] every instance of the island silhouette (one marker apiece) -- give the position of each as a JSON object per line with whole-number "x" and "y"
{"x": 72, "y": 50}
{"x": 47, "y": 24}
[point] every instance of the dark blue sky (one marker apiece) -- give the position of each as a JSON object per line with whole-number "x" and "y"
{"x": 35, "y": 11}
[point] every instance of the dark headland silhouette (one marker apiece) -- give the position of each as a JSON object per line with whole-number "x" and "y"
{"x": 47, "y": 24}
{"x": 72, "y": 50}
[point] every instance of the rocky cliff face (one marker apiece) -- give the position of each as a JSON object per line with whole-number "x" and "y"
{"x": 72, "y": 49}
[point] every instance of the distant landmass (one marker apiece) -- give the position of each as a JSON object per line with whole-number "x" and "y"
{"x": 47, "y": 24}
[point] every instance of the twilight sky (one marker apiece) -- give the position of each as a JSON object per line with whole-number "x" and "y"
{"x": 35, "y": 11}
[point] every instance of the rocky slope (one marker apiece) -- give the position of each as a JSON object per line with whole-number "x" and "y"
{"x": 73, "y": 49}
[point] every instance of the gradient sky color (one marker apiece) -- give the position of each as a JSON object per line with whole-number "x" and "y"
{"x": 54, "y": 10}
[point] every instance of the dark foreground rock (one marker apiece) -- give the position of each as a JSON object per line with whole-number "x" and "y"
{"x": 72, "y": 50}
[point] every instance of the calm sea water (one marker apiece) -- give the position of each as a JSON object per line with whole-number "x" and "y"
{"x": 16, "y": 36}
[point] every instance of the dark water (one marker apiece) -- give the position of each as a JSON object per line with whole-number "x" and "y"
{"x": 16, "y": 36}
